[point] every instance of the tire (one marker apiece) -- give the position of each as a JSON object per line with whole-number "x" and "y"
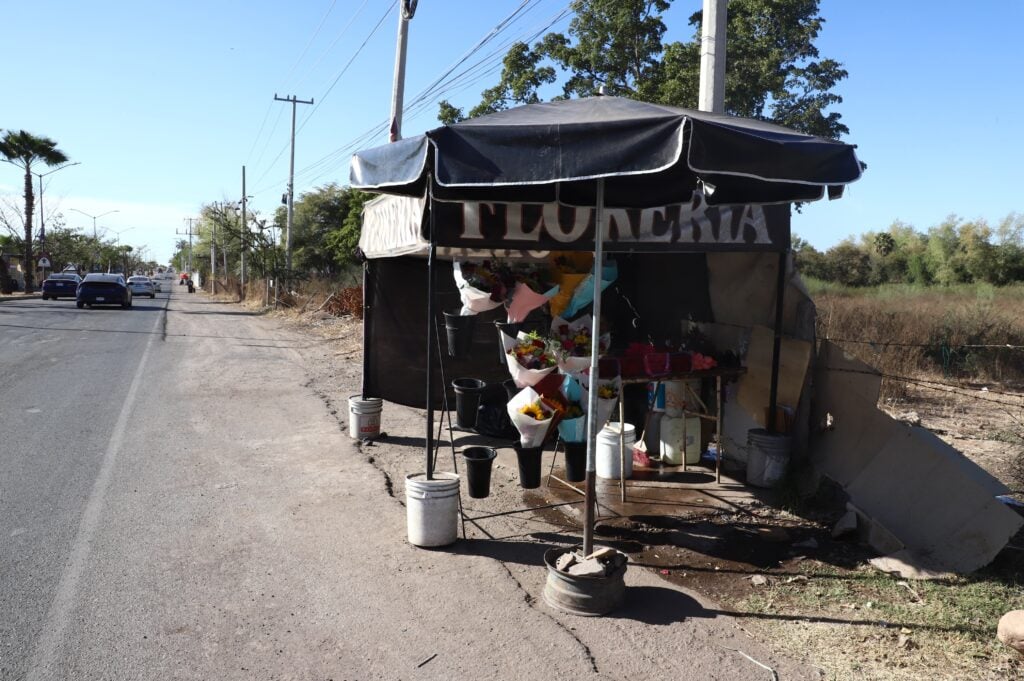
{"x": 152, "y": 295}
{"x": 46, "y": 297}
{"x": 79, "y": 305}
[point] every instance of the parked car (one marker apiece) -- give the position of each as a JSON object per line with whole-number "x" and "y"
{"x": 142, "y": 286}
{"x": 61, "y": 284}
{"x": 103, "y": 289}
{"x": 157, "y": 286}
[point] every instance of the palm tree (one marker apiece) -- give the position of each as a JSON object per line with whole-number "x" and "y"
{"x": 23, "y": 149}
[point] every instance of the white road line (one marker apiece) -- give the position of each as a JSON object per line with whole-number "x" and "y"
{"x": 57, "y": 616}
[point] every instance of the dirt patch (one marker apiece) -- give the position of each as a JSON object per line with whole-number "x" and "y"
{"x": 780, "y": 572}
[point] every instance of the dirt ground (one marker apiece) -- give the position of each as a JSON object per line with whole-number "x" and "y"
{"x": 775, "y": 565}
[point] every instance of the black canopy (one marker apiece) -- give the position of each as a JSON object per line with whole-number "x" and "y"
{"x": 650, "y": 155}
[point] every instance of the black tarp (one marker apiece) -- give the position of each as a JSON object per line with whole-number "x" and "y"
{"x": 650, "y": 155}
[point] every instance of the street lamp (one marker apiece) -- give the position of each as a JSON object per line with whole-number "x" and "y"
{"x": 117, "y": 236}
{"x": 42, "y": 222}
{"x": 94, "y": 217}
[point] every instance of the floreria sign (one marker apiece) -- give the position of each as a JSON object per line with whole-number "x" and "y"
{"x": 692, "y": 226}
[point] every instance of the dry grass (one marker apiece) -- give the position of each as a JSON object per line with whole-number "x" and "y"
{"x": 957, "y": 334}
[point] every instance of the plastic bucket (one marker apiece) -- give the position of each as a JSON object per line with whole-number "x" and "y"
{"x": 529, "y": 466}
{"x": 467, "y": 400}
{"x": 576, "y": 461}
{"x": 767, "y": 457}
{"x": 680, "y": 438}
{"x": 459, "y": 329}
{"x": 608, "y": 451}
{"x": 508, "y": 329}
{"x": 364, "y": 417}
{"x": 478, "y": 470}
{"x": 432, "y": 509}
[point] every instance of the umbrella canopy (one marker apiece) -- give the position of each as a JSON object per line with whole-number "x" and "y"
{"x": 649, "y": 155}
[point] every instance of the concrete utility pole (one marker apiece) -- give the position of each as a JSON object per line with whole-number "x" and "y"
{"x": 243, "y": 233}
{"x": 711, "y": 95}
{"x": 291, "y": 183}
{"x": 405, "y": 13}
{"x": 190, "y": 235}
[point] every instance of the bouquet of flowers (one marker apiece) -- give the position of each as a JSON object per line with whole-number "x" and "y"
{"x": 574, "y": 342}
{"x": 481, "y": 286}
{"x": 702, "y": 362}
{"x": 531, "y": 358}
{"x": 570, "y": 269}
{"x": 608, "y": 391}
{"x": 573, "y": 426}
{"x": 531, "y": 416}
{"x": 584, "y": 293}
{"x": 532, "y": 287}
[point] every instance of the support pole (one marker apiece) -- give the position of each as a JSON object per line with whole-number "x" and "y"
{"x": 243, "y": 234}
{"x": 780, "y": 290}
{"x": 711, "y": 92}
{"x": 367, "y": 283}
{"x": 430, "y": 339}
{"x": 595, "y": 349}
{"x": 291, "y": 184}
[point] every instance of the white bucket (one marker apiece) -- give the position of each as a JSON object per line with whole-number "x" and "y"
{"x": 364, "y": 417}
{"x": 767, "y": 457}
{"x": 679, "y": 396}
{"x": 432, "y": 509}
{"x": 608, "y": 451}
{"x": 673, "y": 442}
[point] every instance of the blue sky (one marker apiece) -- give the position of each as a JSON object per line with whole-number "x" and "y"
{"x": 162, "y": 103}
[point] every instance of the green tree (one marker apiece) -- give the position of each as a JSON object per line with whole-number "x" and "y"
{"x": 325, "y": 229}
{"x": 773, "y": 69}
{"x": 23, "y": 149}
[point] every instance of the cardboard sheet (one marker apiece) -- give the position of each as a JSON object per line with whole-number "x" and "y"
{"x": 755, "y": 385}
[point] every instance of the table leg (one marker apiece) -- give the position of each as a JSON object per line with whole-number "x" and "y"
{"x": 718, "y": 434}
{"x": 622, "y": 448}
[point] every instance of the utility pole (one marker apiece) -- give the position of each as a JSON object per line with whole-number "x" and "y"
{"x": 190, "y": 235}
{"x": 405, "y": 13}
{"x": 711, "y": 96}
{"x": 244, "y": 232}
{"x": 291, "y": 183}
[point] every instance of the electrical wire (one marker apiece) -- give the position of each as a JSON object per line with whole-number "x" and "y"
{"x": 475, "y": 72}
{"x": 324, "y": 96}
{"x": 439, "y": 87}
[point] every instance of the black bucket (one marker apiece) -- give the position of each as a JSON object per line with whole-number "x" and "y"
{"x": 478, "y": 470}
{"x": 509, "y": 329}
{"x": 460, "y": 333}
{"x": 575, "y": 461}
{"x": 510, "y": 388}
{"x": 529, "y": 466}
{"x": 467, "y": 400}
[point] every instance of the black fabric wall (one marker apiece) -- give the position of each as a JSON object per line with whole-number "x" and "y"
{"x": 652, "y": 294}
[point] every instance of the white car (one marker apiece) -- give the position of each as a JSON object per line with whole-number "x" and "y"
{"x": 142, "y": 286}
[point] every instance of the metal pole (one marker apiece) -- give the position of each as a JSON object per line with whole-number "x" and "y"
{"x": 773, "y": 393}
{"x": 430, "y": 338}
{"x": 595, "y": 349}
{"x": 711, "y": 95}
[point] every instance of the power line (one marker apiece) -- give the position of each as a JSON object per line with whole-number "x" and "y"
{"x": 483, "y": 67}
{"x": 472, "y": 73}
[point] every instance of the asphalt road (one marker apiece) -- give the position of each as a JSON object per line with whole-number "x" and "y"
{"x": 179, "y": 500}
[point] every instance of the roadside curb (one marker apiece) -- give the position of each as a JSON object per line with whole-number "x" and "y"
{"x": 25, "y": 296}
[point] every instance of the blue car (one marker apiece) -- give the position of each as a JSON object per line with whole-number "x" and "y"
{"x": 103, "y": 289}
{"x": 61, "y": 284}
